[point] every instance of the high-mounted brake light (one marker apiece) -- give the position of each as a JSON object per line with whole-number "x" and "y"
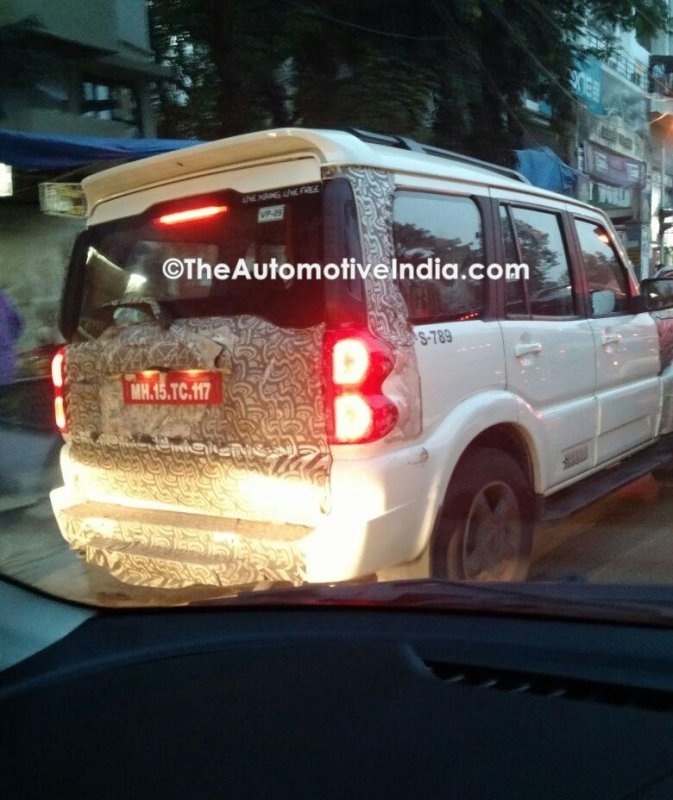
{"x": 58, "y": 381}
{"x": 356, "y": 365}
{"x": 191, "y": 215}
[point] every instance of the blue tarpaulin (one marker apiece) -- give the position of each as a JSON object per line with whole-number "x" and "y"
{"x": 52, "y": 152}
{"x": 545, "y": 169}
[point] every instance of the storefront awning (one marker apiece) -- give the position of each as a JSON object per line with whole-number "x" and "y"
{"x": 545, "y": 169}
{"x": 50, "y": 152}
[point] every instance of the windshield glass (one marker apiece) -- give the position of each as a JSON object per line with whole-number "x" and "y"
{"x": 300, "y": 314}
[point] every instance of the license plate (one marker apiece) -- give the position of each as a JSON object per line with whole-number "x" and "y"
{"x": 185, "y": 388}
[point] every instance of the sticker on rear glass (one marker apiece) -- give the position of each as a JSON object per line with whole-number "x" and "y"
{"x": 281, "y": 194}
{"x": 271, "y": 214}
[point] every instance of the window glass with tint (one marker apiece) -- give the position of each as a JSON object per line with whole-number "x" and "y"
{"x": 447, "y": 228}
{"x": 550, "y": 292}
{"x": 608, "y": 283}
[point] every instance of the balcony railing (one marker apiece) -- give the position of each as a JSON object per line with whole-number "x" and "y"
{"x": 622, "y": 63}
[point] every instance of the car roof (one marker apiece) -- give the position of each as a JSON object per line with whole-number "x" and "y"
{"x": 330, "y": 147}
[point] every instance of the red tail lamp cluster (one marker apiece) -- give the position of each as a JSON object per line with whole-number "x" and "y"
{"x": 58, "y": 381}
{"x": 355, "y": 366}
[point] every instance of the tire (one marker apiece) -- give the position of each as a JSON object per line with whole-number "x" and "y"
{"x": 484, "y": 530}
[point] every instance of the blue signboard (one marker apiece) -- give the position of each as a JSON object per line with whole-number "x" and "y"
{"x": 586, "y": 84}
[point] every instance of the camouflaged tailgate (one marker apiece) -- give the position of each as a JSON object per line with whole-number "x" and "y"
{"x": 260, "y": 454}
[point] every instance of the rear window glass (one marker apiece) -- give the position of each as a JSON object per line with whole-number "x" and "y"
{"x": 171, "y": 255}
{"x": 449, "y": 228}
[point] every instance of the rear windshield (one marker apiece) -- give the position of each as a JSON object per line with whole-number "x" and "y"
{"x": 193, "y": 257}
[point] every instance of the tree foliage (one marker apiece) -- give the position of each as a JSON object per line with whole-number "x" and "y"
{"x": 452, "y": 72}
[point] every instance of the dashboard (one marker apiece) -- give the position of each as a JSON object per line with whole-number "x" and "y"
{"x": 333, "y": 702}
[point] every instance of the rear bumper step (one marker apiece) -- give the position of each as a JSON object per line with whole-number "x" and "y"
{"x": 172, "y": 550}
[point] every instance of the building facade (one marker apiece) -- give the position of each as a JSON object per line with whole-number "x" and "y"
{"x": 80, "y": 68}
{"x": 68, "y": 68}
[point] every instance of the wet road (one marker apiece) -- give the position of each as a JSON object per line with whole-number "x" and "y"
{"x": 624, "y": 538}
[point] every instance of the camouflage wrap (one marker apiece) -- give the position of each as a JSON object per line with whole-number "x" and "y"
{"x": 170, "y": 551}
{"x": 374, "y": 191}
{"x": 210, "y": 459}
{"x": 221, "y": 494}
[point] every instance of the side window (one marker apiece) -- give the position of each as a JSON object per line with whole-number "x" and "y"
{"x": 445, "y": 228}
{"x": 549, "y": 286}
{"x": 607, "y": 279}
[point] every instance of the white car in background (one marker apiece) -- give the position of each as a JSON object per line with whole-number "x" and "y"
{"x": 232, "y": 432}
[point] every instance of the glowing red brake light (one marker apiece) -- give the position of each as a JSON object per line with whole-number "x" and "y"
{"x": 350, "y": 361}
{"x": 57, "y": 369}
{"x": 59, "y": 414}
{"x": 58, "y": 381}
{"x": 353, "y": 418}
{"x": 191, "y": 215}
{"x": 356, "y": 366}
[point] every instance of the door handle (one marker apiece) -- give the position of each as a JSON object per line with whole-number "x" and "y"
{"x": 610, "y": 338}
{"x": 527, "y": 349}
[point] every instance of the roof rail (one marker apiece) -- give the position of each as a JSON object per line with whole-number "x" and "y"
{"x": 404, "y": 143}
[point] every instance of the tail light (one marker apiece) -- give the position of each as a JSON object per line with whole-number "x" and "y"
{"x": 58, "y": 381}
{"x": 355, "y": 366}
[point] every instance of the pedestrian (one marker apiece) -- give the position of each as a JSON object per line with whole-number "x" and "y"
{"x": 11, "y": 326}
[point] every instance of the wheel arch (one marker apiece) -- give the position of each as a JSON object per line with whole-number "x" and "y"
{"x": 511, "y": 439}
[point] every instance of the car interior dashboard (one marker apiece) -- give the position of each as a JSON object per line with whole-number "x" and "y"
{"x": 329, "y": 702}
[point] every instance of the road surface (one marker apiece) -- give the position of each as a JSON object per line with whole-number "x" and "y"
{"x": 624, "y": 538}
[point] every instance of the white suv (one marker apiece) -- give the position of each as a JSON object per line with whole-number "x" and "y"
{"x": 236, "y": 431}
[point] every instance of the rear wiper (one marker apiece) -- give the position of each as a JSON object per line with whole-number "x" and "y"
{"x": 156, "y": 309}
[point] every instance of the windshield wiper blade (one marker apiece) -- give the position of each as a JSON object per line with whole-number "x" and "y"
{"x": 156, "y": 309}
